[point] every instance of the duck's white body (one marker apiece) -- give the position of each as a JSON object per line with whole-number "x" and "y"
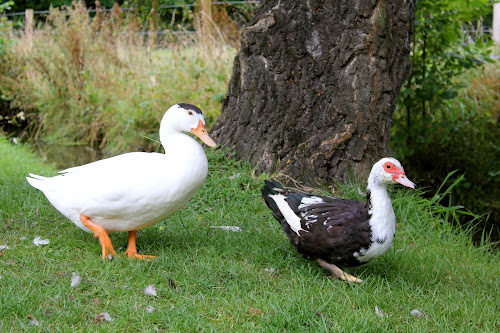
{"x": 134, "y": 190}
{"x": 130, "y": 191}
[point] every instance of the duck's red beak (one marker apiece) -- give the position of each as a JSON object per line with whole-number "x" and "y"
{"x": 202, "y": 133}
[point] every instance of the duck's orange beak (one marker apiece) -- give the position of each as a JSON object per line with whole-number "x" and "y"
{"x": 202, "y": 133}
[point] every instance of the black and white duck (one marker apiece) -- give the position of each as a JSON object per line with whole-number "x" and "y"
{"x": 339, "y": 232}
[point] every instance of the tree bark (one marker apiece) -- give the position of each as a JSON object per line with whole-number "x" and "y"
{"x": 315, "y": 84}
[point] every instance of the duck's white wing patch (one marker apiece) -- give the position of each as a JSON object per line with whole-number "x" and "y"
{"x": 290, "y": 217}
{"x": 307, "y": 201}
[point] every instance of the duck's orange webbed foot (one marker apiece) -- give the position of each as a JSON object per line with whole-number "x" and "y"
{"x": 101, "y": 234}
{"x": 132, "y": 249}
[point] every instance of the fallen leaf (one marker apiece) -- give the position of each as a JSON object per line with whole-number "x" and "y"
{"x": 150, "y": 290}
{"x": 417, "y": 313}
{"x": 254, "y": 311}
{"x": 39, "y": 241}
{"x": 379, "y": 312}
{"x": 150, "y": 309}
{"x": 33, "y": 320}
{"x": 226, "y": 227}
{"x": 96, "y": 301}
{"x": 75, "y": 280}
{"x": 103, "y": 316}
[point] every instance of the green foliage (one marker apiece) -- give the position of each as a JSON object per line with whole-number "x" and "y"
{"x": 441, "y": 123}
{"x": 209, "y": 279}
{"x": 5, "y": 27}
{"x": 464, "y": 136}
{"x": 5, "y": 6}
{"x": 94, "y": 81}
{"x": 440, "y": 52}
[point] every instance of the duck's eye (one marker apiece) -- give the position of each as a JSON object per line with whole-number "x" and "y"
{"x": 388, "y": 166}
{"x": 190, "y": 113}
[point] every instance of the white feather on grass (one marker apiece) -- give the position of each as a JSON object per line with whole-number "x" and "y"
{"x": 417, "y": 313}
{"x": 39, "y": 241}
{"x": 379, "y": 312}
{"x": 150, "y": 290}
{"x": 103, "y": 316}
{"x": 33, "y": 320}
{"x": 226, "y": 227}
{"x": 75, "y": 280}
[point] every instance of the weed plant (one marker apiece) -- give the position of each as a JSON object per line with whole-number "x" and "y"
{"x": 209, "y": 279}
{"x": 96, "y": 81}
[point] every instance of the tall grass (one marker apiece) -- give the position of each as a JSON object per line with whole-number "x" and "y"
{"x": 93, "y": 80}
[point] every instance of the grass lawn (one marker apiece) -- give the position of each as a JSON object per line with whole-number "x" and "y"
{"x": 209, "y": 279}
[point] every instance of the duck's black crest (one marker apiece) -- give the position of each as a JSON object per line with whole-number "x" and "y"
{"x": 190, "y": 107}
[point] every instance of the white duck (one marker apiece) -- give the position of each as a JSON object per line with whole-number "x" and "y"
{"x": 134, "y": 190}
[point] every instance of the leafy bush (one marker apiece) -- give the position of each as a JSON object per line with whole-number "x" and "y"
{"x": 448, "y": 112}
{"x": 440, "y": 52}
{"x": 464, "y": 136}
{"x": 4, "y": 27}
{"x": 94, "y": 81}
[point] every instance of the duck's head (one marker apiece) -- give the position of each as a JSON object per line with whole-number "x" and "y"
{"x": 389, "y": 171}
{"x": 184, "y": 117}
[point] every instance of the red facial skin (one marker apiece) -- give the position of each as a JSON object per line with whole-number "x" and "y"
{"x": 394, "y": 170}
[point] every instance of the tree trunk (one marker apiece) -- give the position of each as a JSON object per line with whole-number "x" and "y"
{"x": 315, "y": 84}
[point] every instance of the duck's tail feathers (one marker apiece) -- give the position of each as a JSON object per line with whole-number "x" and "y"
{"x": 272, "y": 187}
{"x": 36, "y": 181}
{"x": 283, "y": 205}
{"x": 32, "y": 175}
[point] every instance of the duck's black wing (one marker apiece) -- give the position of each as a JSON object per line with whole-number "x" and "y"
{"x": 332, "y": 229}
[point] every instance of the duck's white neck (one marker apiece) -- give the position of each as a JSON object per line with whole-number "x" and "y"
{"x": 180, "y": 142}
{"x": 383, "y": 220}
{"x": 168, "y": 132}
{"x": 187, "y": 158}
